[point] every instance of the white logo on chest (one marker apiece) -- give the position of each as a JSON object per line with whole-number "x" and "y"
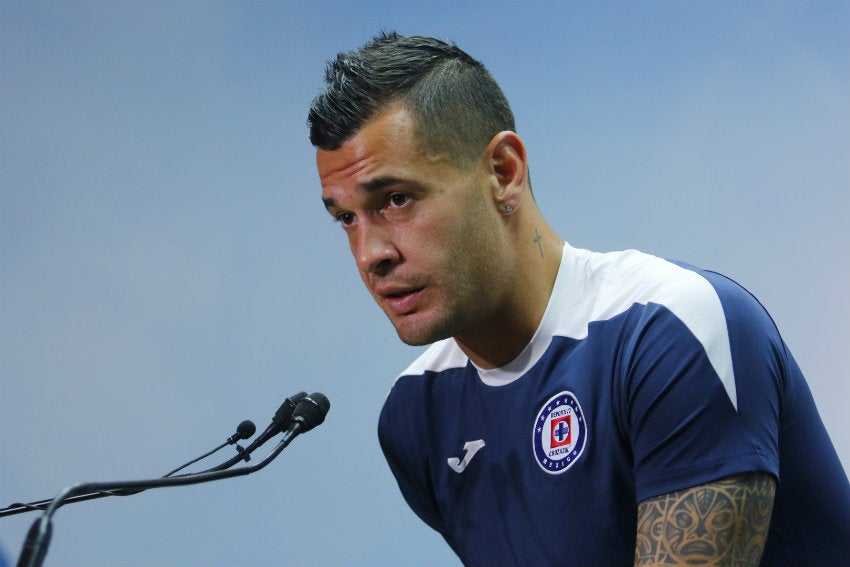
{"x": 471, "y": 447}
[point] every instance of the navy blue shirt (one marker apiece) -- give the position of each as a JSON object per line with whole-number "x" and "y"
{"x": 645, "y": 377}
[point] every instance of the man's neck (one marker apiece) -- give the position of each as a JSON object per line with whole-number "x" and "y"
{"x": 500, "y": 339}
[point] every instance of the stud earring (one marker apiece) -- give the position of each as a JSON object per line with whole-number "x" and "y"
{"x": 509, "y": 209}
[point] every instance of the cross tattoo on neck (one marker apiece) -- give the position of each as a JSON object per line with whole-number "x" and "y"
{"x": 537, "y": 240}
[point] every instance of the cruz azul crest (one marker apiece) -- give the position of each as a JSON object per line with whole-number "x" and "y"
{"x": 560, "y": 433}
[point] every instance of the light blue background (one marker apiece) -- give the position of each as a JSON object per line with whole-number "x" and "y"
{"x": 167, "y": 268}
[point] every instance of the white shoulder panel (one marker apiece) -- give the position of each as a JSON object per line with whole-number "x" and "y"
{"x": 596, "y": 287}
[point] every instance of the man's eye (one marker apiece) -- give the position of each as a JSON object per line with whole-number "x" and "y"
{"x": 399, "y": 199}
{"x": 345, "y": 218}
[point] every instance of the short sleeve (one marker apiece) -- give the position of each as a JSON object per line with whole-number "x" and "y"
{"x": 685, "y": 427}
{"x": 408, "y": 465}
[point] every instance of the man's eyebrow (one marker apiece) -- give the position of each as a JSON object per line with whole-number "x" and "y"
{"x": 371, "y": 186}
{"x": 379, "y": 183}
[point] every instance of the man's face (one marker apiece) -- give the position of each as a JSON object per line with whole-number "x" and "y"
{"x": 420, "y": 228}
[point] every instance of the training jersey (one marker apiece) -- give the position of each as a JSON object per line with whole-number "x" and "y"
{"x": 644, "y": 377}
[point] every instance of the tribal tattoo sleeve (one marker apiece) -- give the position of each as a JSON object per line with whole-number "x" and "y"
{"x": 722, "y": 523}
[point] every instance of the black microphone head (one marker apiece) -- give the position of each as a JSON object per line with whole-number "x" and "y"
{"x": 245, "y": 429}
{"x": 283, "y": 416}
{"x": 311, "y": 411}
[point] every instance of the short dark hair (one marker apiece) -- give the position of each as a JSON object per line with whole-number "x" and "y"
{"x": 457, "y": 105}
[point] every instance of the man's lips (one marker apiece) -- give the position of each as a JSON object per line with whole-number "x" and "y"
{"x": 401, "y": 301}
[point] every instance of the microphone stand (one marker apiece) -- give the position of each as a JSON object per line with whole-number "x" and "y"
{"x": 38, "y": 537}
{"x": 41, "y": 505}
{"x": 280, "y": 421}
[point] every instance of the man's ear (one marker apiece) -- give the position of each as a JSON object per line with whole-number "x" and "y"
{"x": 506, "y": 163}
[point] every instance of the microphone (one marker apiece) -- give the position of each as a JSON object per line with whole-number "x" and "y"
{"x": 243, "y": 431}
{"x": 311, "y": 411}
{"x": 308, "y": 413}
{"x": 283, "y": 416}
{"x": 280, "y": 422}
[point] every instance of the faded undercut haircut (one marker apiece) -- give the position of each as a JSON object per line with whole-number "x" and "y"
{"x": 457, "y": 105}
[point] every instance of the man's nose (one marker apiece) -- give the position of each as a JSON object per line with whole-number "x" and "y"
{"x": 374, "y": 250}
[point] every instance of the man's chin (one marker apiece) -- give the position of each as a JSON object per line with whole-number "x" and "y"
{"x": 418, "y": 333}
{"x": 417, "y": 339}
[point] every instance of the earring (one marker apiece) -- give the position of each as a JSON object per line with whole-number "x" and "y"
{"x": 509, "y": 209}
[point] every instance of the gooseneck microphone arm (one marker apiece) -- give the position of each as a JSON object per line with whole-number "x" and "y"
{"x": 243, "y": 431}
{"x": 280, "y": 421}
{"x": 308, "y": 413}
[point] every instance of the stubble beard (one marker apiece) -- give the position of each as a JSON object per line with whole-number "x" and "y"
{"x": 436, "y": 324}
{"x": 458, "y": 306}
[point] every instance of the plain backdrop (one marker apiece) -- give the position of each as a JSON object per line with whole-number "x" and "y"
{"x": 167, "y": 268}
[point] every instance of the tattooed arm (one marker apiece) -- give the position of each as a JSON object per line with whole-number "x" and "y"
{"x": 722, "y": 523}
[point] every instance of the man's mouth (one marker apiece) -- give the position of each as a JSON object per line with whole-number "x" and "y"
{"x": 402, "y": 302}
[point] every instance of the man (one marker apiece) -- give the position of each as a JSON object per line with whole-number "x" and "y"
{"x": 576, "y": 408}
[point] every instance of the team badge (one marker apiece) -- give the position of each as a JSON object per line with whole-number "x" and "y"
{"x": 560, "y": 433}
